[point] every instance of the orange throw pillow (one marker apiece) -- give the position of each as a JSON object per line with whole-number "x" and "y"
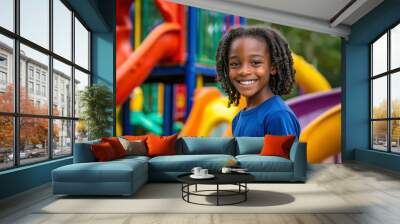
{"x": 103, "y": 152}
{"x": 161, "y": 145}
{"x": 277, "y": 145}
{"x": 116, "y": 145}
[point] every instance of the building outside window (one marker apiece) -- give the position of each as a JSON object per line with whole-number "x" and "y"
{"x": 385, "y": 94}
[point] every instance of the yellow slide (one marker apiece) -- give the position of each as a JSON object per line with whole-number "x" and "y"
{"x": 323, "y": 136}
{"x": 209, "y": 110}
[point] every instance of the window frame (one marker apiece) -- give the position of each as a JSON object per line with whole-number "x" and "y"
{"x": 16, "y": 114}
{"x": 388, "y": 74}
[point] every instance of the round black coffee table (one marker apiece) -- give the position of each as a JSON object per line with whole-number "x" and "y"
{"x": 238, "y": 179}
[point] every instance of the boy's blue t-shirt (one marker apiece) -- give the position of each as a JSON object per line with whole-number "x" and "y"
{"x": 272, "y": 117}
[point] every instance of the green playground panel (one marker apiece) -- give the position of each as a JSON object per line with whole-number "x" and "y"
{"x": 210, "y": 32}
{"x": 151, "y": 17}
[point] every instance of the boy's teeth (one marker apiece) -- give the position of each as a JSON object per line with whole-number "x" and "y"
{"x": 247, "y": 82}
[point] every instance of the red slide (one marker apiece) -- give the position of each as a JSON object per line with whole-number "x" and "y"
{"x": 162, "y": 44}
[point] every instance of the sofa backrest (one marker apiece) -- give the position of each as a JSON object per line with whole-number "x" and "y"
{"x": 205, "y": 145}
{"x": 83, "y": 152}
{"x": 249, "y": 145}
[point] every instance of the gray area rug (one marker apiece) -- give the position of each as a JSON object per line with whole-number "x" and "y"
{"x": 166, "y": 198}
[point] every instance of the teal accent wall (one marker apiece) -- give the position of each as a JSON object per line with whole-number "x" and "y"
{"x": 99, "y": 16}
{"x": 103, "y": 63}
{"x": 356, "y": 86}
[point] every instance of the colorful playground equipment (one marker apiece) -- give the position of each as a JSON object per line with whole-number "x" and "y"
{"x": 163, "y": 54}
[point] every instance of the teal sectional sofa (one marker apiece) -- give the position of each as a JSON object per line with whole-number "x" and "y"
{"x": 125, "y": 176}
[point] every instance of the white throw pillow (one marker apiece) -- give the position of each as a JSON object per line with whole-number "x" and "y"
{"x": 136, "y": 147}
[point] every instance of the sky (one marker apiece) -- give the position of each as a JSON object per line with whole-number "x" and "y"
{"x": 34, "y": 26}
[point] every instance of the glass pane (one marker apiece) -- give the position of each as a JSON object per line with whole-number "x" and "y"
{"x": 6, "y": 142}
{"x": 35, "y": 21}
{"x": 379, "y": 98}
{"x": 379, "y": 55}
{"x": 395, "y": 136}
{"x": 395, "y": 94}
{"x": 7, "y": 14}
{"x": 62, "y": 138}
{"x": 62, "y": 29}
{"x": 81, "y": 45}
{"x": 81, "y": 81}
{"x": 395, "y": 47}
{"x": 6, "y": 74}
{"x": 379, "y": 135}
{"x": 34, "y": 72}
{"x": 33, "y": 139}
{"x": 62, "y": 89}
{"x": 81, "y": 131}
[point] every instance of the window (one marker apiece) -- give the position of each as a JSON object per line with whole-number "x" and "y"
{"x": 41, "y": 83}
{"x": 3, "y": 61}
{"x": 37, "y": 75}
{"x": 3, "y": 78}
{"x": 81, "y": 45}
{"x": 38, "y": 89}
{"x": 30, "y": 87}
{"x": 385, "y": 94}
{"x": 34, "y": 21}
{"x": 7, "y": 14}
{"x": 62, "y": 31}
{"x": 43, "y": 77}
{"x": 43, "y": 90}
{"x": 30, "y": 72}
{"x": 3, "y": 72}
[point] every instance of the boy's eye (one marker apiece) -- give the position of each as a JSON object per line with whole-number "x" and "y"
{"x": 256, "y": 62}
{"x": 233, "y": 64}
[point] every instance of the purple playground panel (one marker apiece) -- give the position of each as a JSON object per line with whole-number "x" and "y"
{"x": 310, "y": 106}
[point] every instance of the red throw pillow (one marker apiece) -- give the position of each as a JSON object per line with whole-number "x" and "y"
{"x": 161, "y": 145}
{"x": 116, "y": 145}
{"x": 103, "y": 151}
{"x": 277, "y": 145}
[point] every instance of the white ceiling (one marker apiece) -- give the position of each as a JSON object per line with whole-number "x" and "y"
{"x": 326, "y": 16}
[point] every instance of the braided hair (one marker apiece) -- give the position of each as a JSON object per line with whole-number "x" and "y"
{"x": 280, "y": 55}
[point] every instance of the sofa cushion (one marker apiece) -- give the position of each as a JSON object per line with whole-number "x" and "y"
{"x": 129, "y": 159}
{"x": 206, "y": 145}
{"x": 112, "y": 171}
{"x": 257, "y": 163}
{"x": 249, "y": 145}
{"x": 185, "y": 163}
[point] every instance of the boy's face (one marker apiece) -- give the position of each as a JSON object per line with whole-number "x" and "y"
{"x": 250, "y": 67}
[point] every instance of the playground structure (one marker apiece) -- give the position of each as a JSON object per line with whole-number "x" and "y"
{"x": 163, "y": 56}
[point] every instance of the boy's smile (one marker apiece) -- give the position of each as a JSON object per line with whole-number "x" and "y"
{"x": 249, "y": 69}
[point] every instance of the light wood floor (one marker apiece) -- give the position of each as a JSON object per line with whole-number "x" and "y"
{"x": 378, "y": 188}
